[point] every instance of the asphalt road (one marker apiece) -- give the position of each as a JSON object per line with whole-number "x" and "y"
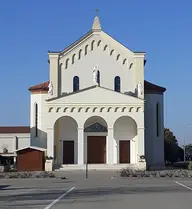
{"x": 100, "y": 190}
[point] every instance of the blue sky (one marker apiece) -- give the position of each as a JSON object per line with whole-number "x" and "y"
{"x": 28, "y": 29}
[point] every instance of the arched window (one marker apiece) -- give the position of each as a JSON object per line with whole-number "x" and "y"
{"x": 117, "y": 84}
{"x": 157, "y": 118}
{"x": 98, "y": 77}
{"x": 76, "y": 83}
{"x": 36, "y": 119}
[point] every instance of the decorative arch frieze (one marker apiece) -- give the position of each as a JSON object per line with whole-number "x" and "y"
{"x": 57, "y": 109}
{"x": 87, "y": 109}
{"x": 130, "y": 66}
{"x": 80, "y": 54}
{"x": 124, "y": 61}
{"x": 65, "y": 109}
{"x": 50, "y": 109}
{"x": 73, "y": 58}
{"x": 105, "y": 48}
{"x": 124, "y": 109}
{"x": 99, "y": 43}
{"x": 72, "y": 109}
{"x": 94, "y": 109}
{"x": 86, "y": 49}
{"x": 139, "y": 109}
{"x": 102, "y": 109}
{"x": 118, "y": 57}
{"x": 132, "y": 109}
{"x": 80, "y": 109}
{"x": 66, "y": 63}
{"x": 92, "y": 45}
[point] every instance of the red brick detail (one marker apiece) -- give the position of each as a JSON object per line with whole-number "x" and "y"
{"x": 42, "y": 87}
{"x": 14, "y": 129}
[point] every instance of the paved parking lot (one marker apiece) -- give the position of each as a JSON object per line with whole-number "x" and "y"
{"x": 100, "y": 190}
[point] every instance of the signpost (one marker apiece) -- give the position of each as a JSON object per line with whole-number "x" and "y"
{"x": 86, "y": 171}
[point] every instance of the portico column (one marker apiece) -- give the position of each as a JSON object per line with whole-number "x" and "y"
{"x": 110, "y": 148}
{"x": 80, "y": 146}
{"x": 141, "y": 141}
{"x": 50, "y": 142}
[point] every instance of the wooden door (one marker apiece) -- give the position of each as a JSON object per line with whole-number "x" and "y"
{"x": 96, "y": 149}
{"x": 68, "y": 152}
{"x": 124, "y": 151}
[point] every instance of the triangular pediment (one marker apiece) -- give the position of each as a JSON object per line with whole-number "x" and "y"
{"x": 96, "y": 127}
{"x": 99, "y": 37}
{"x": 96, "y": 34}
{"x": 96, "y": 95}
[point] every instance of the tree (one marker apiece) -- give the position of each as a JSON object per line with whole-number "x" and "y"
{"x": 172, "y": 152}
{"x": 188, "y": 152}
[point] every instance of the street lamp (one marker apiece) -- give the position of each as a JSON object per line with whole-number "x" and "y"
{"x": 184, "y": 139}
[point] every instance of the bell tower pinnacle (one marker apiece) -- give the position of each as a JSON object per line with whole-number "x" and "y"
{"x": 96, "y": 22}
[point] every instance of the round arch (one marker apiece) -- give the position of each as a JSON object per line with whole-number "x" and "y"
{"x": 95, "y": 135}
{"x": 127, "y": 126}
{"x": 66, "y": 118}
{"x": 65, "y": 140}
{"x": 95, "y": 119}
{"x": 125, "y": 135}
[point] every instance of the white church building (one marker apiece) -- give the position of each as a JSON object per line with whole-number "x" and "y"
{"x": 97, "y": 107}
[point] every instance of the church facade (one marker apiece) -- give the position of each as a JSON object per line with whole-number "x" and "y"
{"x": 97, "y": 107}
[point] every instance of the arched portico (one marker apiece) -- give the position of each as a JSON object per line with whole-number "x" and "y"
{"x": 95, "y": 138}
{"x": 114, "y": 130}
{"x": 65, "y": 140}
{"x": 125, "y": 139}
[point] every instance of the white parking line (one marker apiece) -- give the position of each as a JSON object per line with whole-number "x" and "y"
{"x": 183, "y": 185}
{"x": 56, "y": 200}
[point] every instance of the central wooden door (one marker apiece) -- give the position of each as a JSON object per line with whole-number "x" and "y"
{"x": 68, "y": 152}
{"x": 124, "y": 151}
{"x": 96, "y": 149}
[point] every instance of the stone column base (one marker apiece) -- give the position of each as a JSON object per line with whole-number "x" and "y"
{"x": 142, "y": 165}
{"x": 49, "y": 165}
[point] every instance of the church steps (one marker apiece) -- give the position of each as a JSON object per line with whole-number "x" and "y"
{"x": 96, "y": 167}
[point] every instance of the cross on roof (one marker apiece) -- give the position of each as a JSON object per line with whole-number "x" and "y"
{"x": 96, "y": 11}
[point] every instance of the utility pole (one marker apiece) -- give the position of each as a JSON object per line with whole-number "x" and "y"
{"x": 184, "y": 149}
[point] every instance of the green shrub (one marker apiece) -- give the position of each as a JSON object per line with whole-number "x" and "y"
{"x": 190, "y": 165}
{"x": 127, "y": 172}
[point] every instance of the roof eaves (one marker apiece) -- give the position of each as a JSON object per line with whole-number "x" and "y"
{"x": 71, "y": 93}
{"x": 119, "y": 42}
{"x": 76, "y": 42}
{"x": 154, "y": 86}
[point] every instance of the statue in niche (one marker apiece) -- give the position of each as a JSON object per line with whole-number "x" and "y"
{"x": 50, "y": 92}
{"x": 139, "y": 89}
{"x": 95, "y": 74}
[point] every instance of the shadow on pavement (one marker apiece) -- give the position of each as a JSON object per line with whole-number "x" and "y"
{"x": 4, "y": 186}
{"x": 90, "y": 193}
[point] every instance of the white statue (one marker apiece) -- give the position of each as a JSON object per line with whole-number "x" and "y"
{"x": 139, "y": 89}
{"x": 95, "y": 74}
{"x": 50, "y": 92}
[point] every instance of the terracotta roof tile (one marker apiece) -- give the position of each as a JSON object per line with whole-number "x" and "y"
{"x": 41, "y": 86}
{"x": 14, "y": 129}
{"x": 148, "y": 87}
